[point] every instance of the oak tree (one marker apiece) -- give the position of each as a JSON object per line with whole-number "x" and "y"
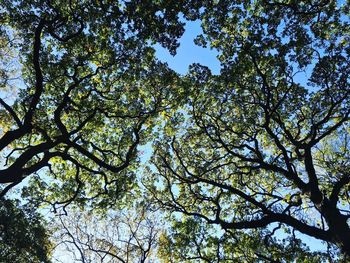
{"x": 265, "y": 143}
{"x": 86, "y": 92}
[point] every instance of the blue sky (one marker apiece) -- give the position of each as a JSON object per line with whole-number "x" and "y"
{"x": 189, "y": 53}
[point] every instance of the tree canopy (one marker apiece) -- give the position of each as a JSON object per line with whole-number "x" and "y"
{"x": 258, "y": 146}
{"x": 259, "y": 151}
{"x": 88, "y": 87}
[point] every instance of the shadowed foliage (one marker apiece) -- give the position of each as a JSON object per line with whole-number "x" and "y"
{"x": 23, "y": 236}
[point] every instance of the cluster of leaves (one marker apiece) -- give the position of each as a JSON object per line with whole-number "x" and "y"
{"x": 23, "y": 234}
{"x": 193, "y": 240}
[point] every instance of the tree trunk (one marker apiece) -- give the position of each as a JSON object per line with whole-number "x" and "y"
{"x": 338, "y": 226}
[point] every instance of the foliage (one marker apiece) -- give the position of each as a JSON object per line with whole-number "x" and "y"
{"x": 193, "y": 240}
{"x": 23, "y": 236}
{"x": 89, "y": 95}
{"x": 263, "y": 144}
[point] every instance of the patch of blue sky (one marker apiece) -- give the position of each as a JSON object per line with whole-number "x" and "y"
{"x": 189, "y": 53}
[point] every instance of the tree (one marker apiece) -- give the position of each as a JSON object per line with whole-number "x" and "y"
{"x": 88, "y": 91}
{"x": 128, "y": 235}
{"x": 23, "y": 236}
{"x": 265, "y": 143}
